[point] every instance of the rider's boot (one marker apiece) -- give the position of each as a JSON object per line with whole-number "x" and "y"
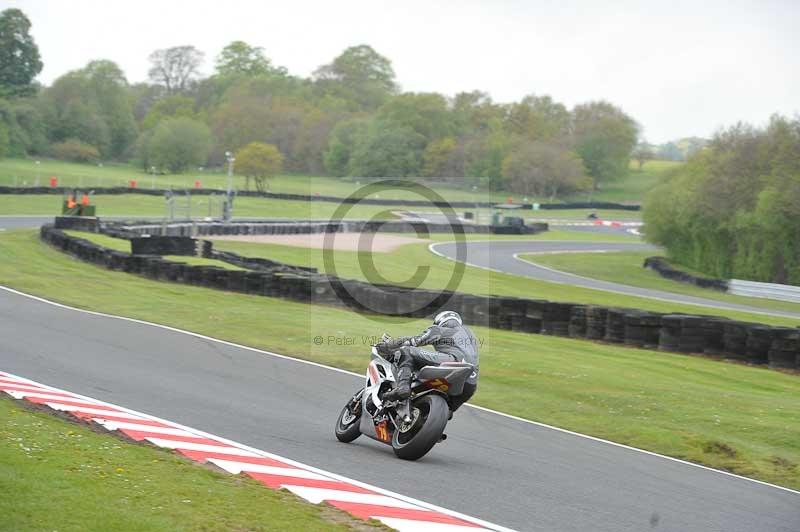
{"x": 402, "y": 389}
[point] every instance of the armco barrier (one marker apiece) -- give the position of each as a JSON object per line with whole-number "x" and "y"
{"x": 782, "y": 292}
{"x": 329, "y": 199}
{"x": 777, "y": 347}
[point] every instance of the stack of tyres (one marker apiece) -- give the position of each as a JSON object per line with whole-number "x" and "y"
{"x": 596, "y": 318}
{"x": 650, "y": 322}
{"x": 758, "y": 343}
{"x": 480, "y": 310}
{"x": 254, "y": 282}
{"x": 785, "y": 349}
{"x": 534, "y": 312}
{"x": 577, "y": 322}
{"x": 511, "y": 310}
{"x": 692, "y": 339}
{"x": 714, "y": 330}
{"x": 734, "y": 339}
{"x": 670, "y": 333}
{"x": 322, "y": 291}
{"x": 174, "y": 271}
{"x": 615, "y": 326}
{"x": 555, "y": 318}
{"x": 236, "y": 281}
{"x": 634, "y": 332}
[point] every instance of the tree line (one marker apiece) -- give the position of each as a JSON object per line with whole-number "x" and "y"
{"x": 733, "y": 210}
{"x": 349, "y": 119}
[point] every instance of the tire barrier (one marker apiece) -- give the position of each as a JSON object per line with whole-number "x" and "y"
{"x": 89, "y": 224}
{"x": 665, "y": 269}
{"x": 192, "y": 229}
{"x": 753, "y": 343}
{"x": 328, "y": 199}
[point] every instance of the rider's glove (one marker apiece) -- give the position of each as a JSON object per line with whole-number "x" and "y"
{"x": 385, "y": 337}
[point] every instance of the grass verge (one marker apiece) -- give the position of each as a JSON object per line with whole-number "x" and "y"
{"x": 625, "y": 267}
{"x": 24, "y": 172}
{"x": 134, "y": 205}
{"x": 730, "y": 416}
{"x": 59, "y": 475}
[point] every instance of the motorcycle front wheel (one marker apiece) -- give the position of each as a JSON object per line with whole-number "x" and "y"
{"x": 429, "y": 417}
{"x": 347, "y": 425}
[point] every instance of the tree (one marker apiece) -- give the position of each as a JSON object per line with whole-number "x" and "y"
{"x": 75, "y": 151}
{"x": 388, "y": 152}
{"x": 425, "y": 113}
{"x": 175, "y": 67}
{"x": 440, "y": 159}
{"x": 240, "y": 59}
{"x": 176, "y": 106}
{"x": 359, "y": 74}
{"x": 260, "y": 161}
{"x": 642, "y": 154}
{"x": 733, "y": 210}
{"x": 341, "y": 145}
{"x": 178, "y": 144}
{"x": 540, "y": 169}
{"x": 91, "y": 105}
{"x": 19, "y": 56}
{"x": 23, "y": 128}
{"x": 537, "y": 118}
{"x": 604, "y": 138}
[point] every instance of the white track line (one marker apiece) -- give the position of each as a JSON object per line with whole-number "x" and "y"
{"x": 359, "y": 376}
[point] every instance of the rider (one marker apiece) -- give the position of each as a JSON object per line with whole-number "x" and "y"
{"x": 452, "y": 341}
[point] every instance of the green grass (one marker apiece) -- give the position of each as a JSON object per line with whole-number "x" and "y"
{"x": 58, "y": 475}
{"x": 730, "y": 416}
{"x": 626, "y": 268}
{"x": 142, "y": 205}
{"x": 399, "y": 266}
{"x": 629, "y": 189}
{"x": 24, "y": 171}
{"x": 632, "y": 187}
{"x": 139, "y": 205}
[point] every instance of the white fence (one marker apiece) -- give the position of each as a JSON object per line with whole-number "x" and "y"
{"x": 783, "y": 292}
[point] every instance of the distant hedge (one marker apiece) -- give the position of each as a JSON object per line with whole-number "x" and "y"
{"x": 733, "y": 211}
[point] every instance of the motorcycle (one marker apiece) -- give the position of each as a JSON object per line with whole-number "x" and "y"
{"x": 411, "y": 426}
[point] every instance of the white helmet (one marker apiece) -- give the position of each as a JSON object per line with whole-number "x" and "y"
{"x": 446, "y": 316}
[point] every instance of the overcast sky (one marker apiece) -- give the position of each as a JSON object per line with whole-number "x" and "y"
{"x": 679, "y": 68}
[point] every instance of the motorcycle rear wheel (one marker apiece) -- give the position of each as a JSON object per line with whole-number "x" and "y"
{"x": 347, "y": 424}
{"x": 426, "y": 431}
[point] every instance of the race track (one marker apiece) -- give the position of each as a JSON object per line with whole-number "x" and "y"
{"x": 507, "y": 471}
{"x": 501, "y": 255}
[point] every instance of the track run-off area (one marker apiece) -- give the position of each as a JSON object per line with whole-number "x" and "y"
{"x": 498, "y": 468}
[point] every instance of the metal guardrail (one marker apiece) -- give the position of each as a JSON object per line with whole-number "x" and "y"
{"x": 782, "y": 292}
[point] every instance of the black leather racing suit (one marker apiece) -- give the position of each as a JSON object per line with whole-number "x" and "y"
{"x": 451, "y": 342}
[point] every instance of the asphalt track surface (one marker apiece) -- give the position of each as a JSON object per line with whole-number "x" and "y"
{"x": 501, "y": 255}
{"x": 507, "y": 471}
